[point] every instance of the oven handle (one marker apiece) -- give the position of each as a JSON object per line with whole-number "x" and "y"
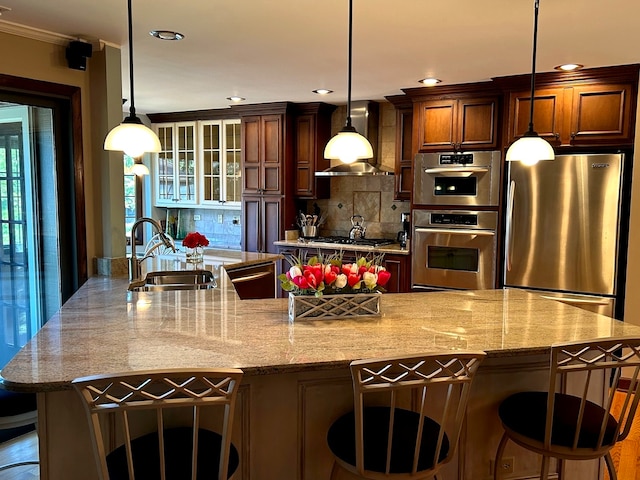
{"x": 456, "y": 171}
{"x": 457, "y": 231}
{"x": 509, "y": 223}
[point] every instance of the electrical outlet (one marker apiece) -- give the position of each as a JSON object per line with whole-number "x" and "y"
{"x": 506, "y": 465}
{"x": 236, "y": 220}
{"x": 196, "y": 217}
{"x": 219, "y": 218}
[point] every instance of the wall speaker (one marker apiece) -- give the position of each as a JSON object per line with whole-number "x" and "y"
{"x": 77, "y": 54}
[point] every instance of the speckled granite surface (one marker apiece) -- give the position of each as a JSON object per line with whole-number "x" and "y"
{"x": 394, "y": 248}
{"x": 104, "y": 328}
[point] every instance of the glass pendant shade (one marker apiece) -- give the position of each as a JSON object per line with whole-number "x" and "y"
{"x": 139, "y": 168}
{"x": 134, "y": 139}
{"x": 348, "y": 146}
{"x": 530, "y": 150}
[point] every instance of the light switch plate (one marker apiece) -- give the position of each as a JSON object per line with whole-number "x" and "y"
{"x": 196, "y": 217}
{"x": 219, "y": 218}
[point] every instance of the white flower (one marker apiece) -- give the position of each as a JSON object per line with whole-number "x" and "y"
{"x": 341, "y": 281}
{"x": 370, "y": 279}
{"x": 295, "y": 272}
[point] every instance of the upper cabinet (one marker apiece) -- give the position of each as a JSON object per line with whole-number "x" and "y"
{"x": 456, "y": 123}
{"x": 220, "y": 149}
{"x": 199, "y": 164}
{"x": 594, "y": 107}
{"x": 263, "y": 148}
{"x": 175, "y": 175}
{"x": 403, "y": 170}
{"x": 312, "y": 131}
{"x": 575, "y": 115}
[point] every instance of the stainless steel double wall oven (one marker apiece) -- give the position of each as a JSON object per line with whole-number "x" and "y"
{"x": 455, "y": 245}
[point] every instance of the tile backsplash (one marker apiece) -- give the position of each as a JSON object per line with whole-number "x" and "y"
{"x": 223, "y": 228}
{"x": 371, "y": 197}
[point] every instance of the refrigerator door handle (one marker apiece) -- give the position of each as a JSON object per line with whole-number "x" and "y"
{"x": 579, "y": 301}
{"x": 509, "y": 223}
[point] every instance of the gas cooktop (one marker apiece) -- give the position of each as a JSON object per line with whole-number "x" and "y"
{"x": 367, "y": 242}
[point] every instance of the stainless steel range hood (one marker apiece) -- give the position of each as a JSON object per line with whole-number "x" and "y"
{"x": 364, "y": 117}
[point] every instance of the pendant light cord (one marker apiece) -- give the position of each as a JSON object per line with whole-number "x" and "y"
{"x": 348, "y": 124}
{"x": 132, "y": 107}
{"x": 533, "y": 63}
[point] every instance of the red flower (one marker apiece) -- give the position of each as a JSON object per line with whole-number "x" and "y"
{"x": 195, "y": 239}
{"x": 383, "y": 277}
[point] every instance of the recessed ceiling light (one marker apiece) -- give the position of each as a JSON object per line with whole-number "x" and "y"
{"x": 236, "y": 99}
{"x": 166, "y": 35}
{"x": 322, "y": 91}
{"x": 569, "y": 67}
{"x": 430, "y": 81}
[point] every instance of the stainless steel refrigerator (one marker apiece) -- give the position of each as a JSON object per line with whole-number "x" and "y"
{"x": 562, "y": 229}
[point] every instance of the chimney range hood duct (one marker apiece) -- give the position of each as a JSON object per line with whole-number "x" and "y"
{"x": 364, "y": 117}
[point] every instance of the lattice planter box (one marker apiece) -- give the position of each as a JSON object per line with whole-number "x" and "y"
{"x": 328, "y": 307}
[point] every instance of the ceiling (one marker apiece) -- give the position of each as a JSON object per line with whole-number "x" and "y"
{"x": 276, "y": 50}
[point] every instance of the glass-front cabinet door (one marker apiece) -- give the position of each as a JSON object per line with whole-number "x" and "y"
{"x": 221, "y": 149}
{"x": 175, "y": 177}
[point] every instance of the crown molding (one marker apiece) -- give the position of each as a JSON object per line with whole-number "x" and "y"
{"x": 47, "y": 36}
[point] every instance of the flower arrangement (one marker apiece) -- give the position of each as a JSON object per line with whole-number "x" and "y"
{"x": 320, "y": 276}
{"x": 195, "y": 239}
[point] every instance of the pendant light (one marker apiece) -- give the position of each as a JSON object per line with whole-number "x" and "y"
{"x": 348, "y": 145}
{"x": 531, "y": 148}
{"x": 138, "y": 168}
{"x": 132, "y": 136}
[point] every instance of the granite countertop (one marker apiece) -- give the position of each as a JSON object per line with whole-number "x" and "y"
{"x": 105, "y": 328}
{"x": 393, "y": 248}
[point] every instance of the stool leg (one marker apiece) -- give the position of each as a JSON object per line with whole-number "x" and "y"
{"x": 334, "y": 470}
{"x": 498, "y": 459}
{"x": 544, "y": 471}
{"x": 610, "y": 467}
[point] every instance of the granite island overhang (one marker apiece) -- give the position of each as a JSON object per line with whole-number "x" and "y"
{"x": 289, "y": 366}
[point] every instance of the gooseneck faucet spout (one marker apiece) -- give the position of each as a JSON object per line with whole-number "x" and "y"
{"x": 135, "y": 263}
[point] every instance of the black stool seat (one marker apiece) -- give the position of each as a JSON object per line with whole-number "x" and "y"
{"x": 14, "y": 403}
{"x": 178, "y": 448}
{"x": 525, "y": 414}
{"x": 342, "y": 442}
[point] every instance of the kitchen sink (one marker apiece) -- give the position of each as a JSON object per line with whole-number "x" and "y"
{"x": 174, "y": 280}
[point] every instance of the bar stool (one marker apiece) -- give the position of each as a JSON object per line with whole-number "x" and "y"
{"x": 386, "y": 438}
{"x": 576, "y": 424}
{"x": 17, "y": 410}
{"x": 167, "y": 451}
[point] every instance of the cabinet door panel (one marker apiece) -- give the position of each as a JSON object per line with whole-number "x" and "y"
{"x": 546, "y": 116}
{"x": 477, "y": 120}
{"x": 436, "y": 121}
{"x": 272, "y": 153}
{"x": 251, "y": 182}
{"x": 251, "y": 207}
{"x": 601, "y": 113}
{"x": 272, "y": 222}
{"x": 404, "y": 154}
{"x": 305, "y": 155}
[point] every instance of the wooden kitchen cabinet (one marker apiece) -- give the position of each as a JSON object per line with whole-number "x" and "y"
{"x": 575, "y": 115}
{"x": 400, "y": 268}
{"x": 456, "y": 124}
{"x": 263, "y": 154}
{"x": 404, "y": 154}
{"x": 268, "y": 203}
{"x": 263, "y": 222}
{"x": 312, "y": 131}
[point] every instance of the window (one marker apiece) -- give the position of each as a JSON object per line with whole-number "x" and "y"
{"x": 132, "y": 200}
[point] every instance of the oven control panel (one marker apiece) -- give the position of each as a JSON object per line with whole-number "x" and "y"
{"x": 454, "y": 219}
{"x": 456, "y": 159}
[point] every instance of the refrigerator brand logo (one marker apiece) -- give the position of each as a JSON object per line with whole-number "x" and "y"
{"x": 599, "y": 165}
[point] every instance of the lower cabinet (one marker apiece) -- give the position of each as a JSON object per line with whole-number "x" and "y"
{"x": 398, "y": 265}
{"x": 263, "y": 222}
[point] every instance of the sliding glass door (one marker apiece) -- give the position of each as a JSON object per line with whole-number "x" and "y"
{"x": 29, "y": 256}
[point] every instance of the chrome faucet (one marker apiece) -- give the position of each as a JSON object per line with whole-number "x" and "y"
{"x": 135, "y": 269}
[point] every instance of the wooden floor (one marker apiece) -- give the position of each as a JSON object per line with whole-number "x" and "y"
{"x": 626, "y": 456}
{"x": 20, "y": 449}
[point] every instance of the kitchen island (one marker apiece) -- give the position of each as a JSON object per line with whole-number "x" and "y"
{"x": 296, "y": 373}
